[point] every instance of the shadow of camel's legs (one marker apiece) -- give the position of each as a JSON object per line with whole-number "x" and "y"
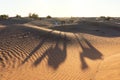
{"x": 83, "y": 63}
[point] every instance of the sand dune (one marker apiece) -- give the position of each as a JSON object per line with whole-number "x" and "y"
{"x": 70, "y": 52}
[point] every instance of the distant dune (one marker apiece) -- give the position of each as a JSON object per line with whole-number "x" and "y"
{"x": 29, "y": 50}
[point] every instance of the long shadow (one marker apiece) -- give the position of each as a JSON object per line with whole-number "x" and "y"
{"x": 94, "y": 28}
{"x": 47, "y": 35}
{"x": 89, "y": 51}
{"x": 55, "y": 55}
{"x": 20, "y": 47}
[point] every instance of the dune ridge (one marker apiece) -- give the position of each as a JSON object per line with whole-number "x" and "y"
{"x": 69, "y": 52}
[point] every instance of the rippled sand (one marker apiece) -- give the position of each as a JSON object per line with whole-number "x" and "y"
{"x": 72, "y": 52}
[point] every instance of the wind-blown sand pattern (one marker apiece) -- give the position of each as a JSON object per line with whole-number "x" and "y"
{"x": 70, "y": 52}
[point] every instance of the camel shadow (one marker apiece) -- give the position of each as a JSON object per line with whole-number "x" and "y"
{"x": 88, "y": 51}
{"x": 37, "y": 47}
{"x": 55, "y": 54}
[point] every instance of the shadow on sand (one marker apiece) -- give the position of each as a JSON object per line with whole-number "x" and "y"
{"x": 93, "y": 28}
{"x": 88, "y": 51}
{"x": 38, "y": 46}
{"x": 55, "y": 54}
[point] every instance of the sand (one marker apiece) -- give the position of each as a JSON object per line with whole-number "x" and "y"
{"x": 69, "y": 52}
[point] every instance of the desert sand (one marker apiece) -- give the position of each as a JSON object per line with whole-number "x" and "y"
{"x": 83, "y": 51}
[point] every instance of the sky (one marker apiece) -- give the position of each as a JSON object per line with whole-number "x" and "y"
{"x": 61, "y": 8}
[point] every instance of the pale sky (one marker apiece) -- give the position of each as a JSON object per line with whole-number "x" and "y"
{"x": 61, "y": 8}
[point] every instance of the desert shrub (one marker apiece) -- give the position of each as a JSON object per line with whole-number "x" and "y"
{"x": 18, "y": 16}
{"x": 102, "y": 17}
{"x": 4, "y": 16}
{"x": 34, "y": 16}
{"x": 48, "y": 17}
{"x": 107, "y": 18}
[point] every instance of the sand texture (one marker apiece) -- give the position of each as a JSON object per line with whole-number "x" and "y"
{"x": 70, "y": 52}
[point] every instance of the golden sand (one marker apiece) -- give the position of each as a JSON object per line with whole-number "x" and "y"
{"x": 30, "y": 52}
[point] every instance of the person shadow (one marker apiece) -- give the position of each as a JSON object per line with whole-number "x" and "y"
{"x": 55, "y": 54}
{"x": 88, "y": 51}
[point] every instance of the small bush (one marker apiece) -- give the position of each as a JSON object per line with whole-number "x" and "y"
{"x": 105, "y": 18}
{"x": 18, "y": 16}
{"x": 102, "y": 17}
{"x": 34, "y": 16}
{"x": 48, "y": 17}
{"x": 4, "y": 16}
